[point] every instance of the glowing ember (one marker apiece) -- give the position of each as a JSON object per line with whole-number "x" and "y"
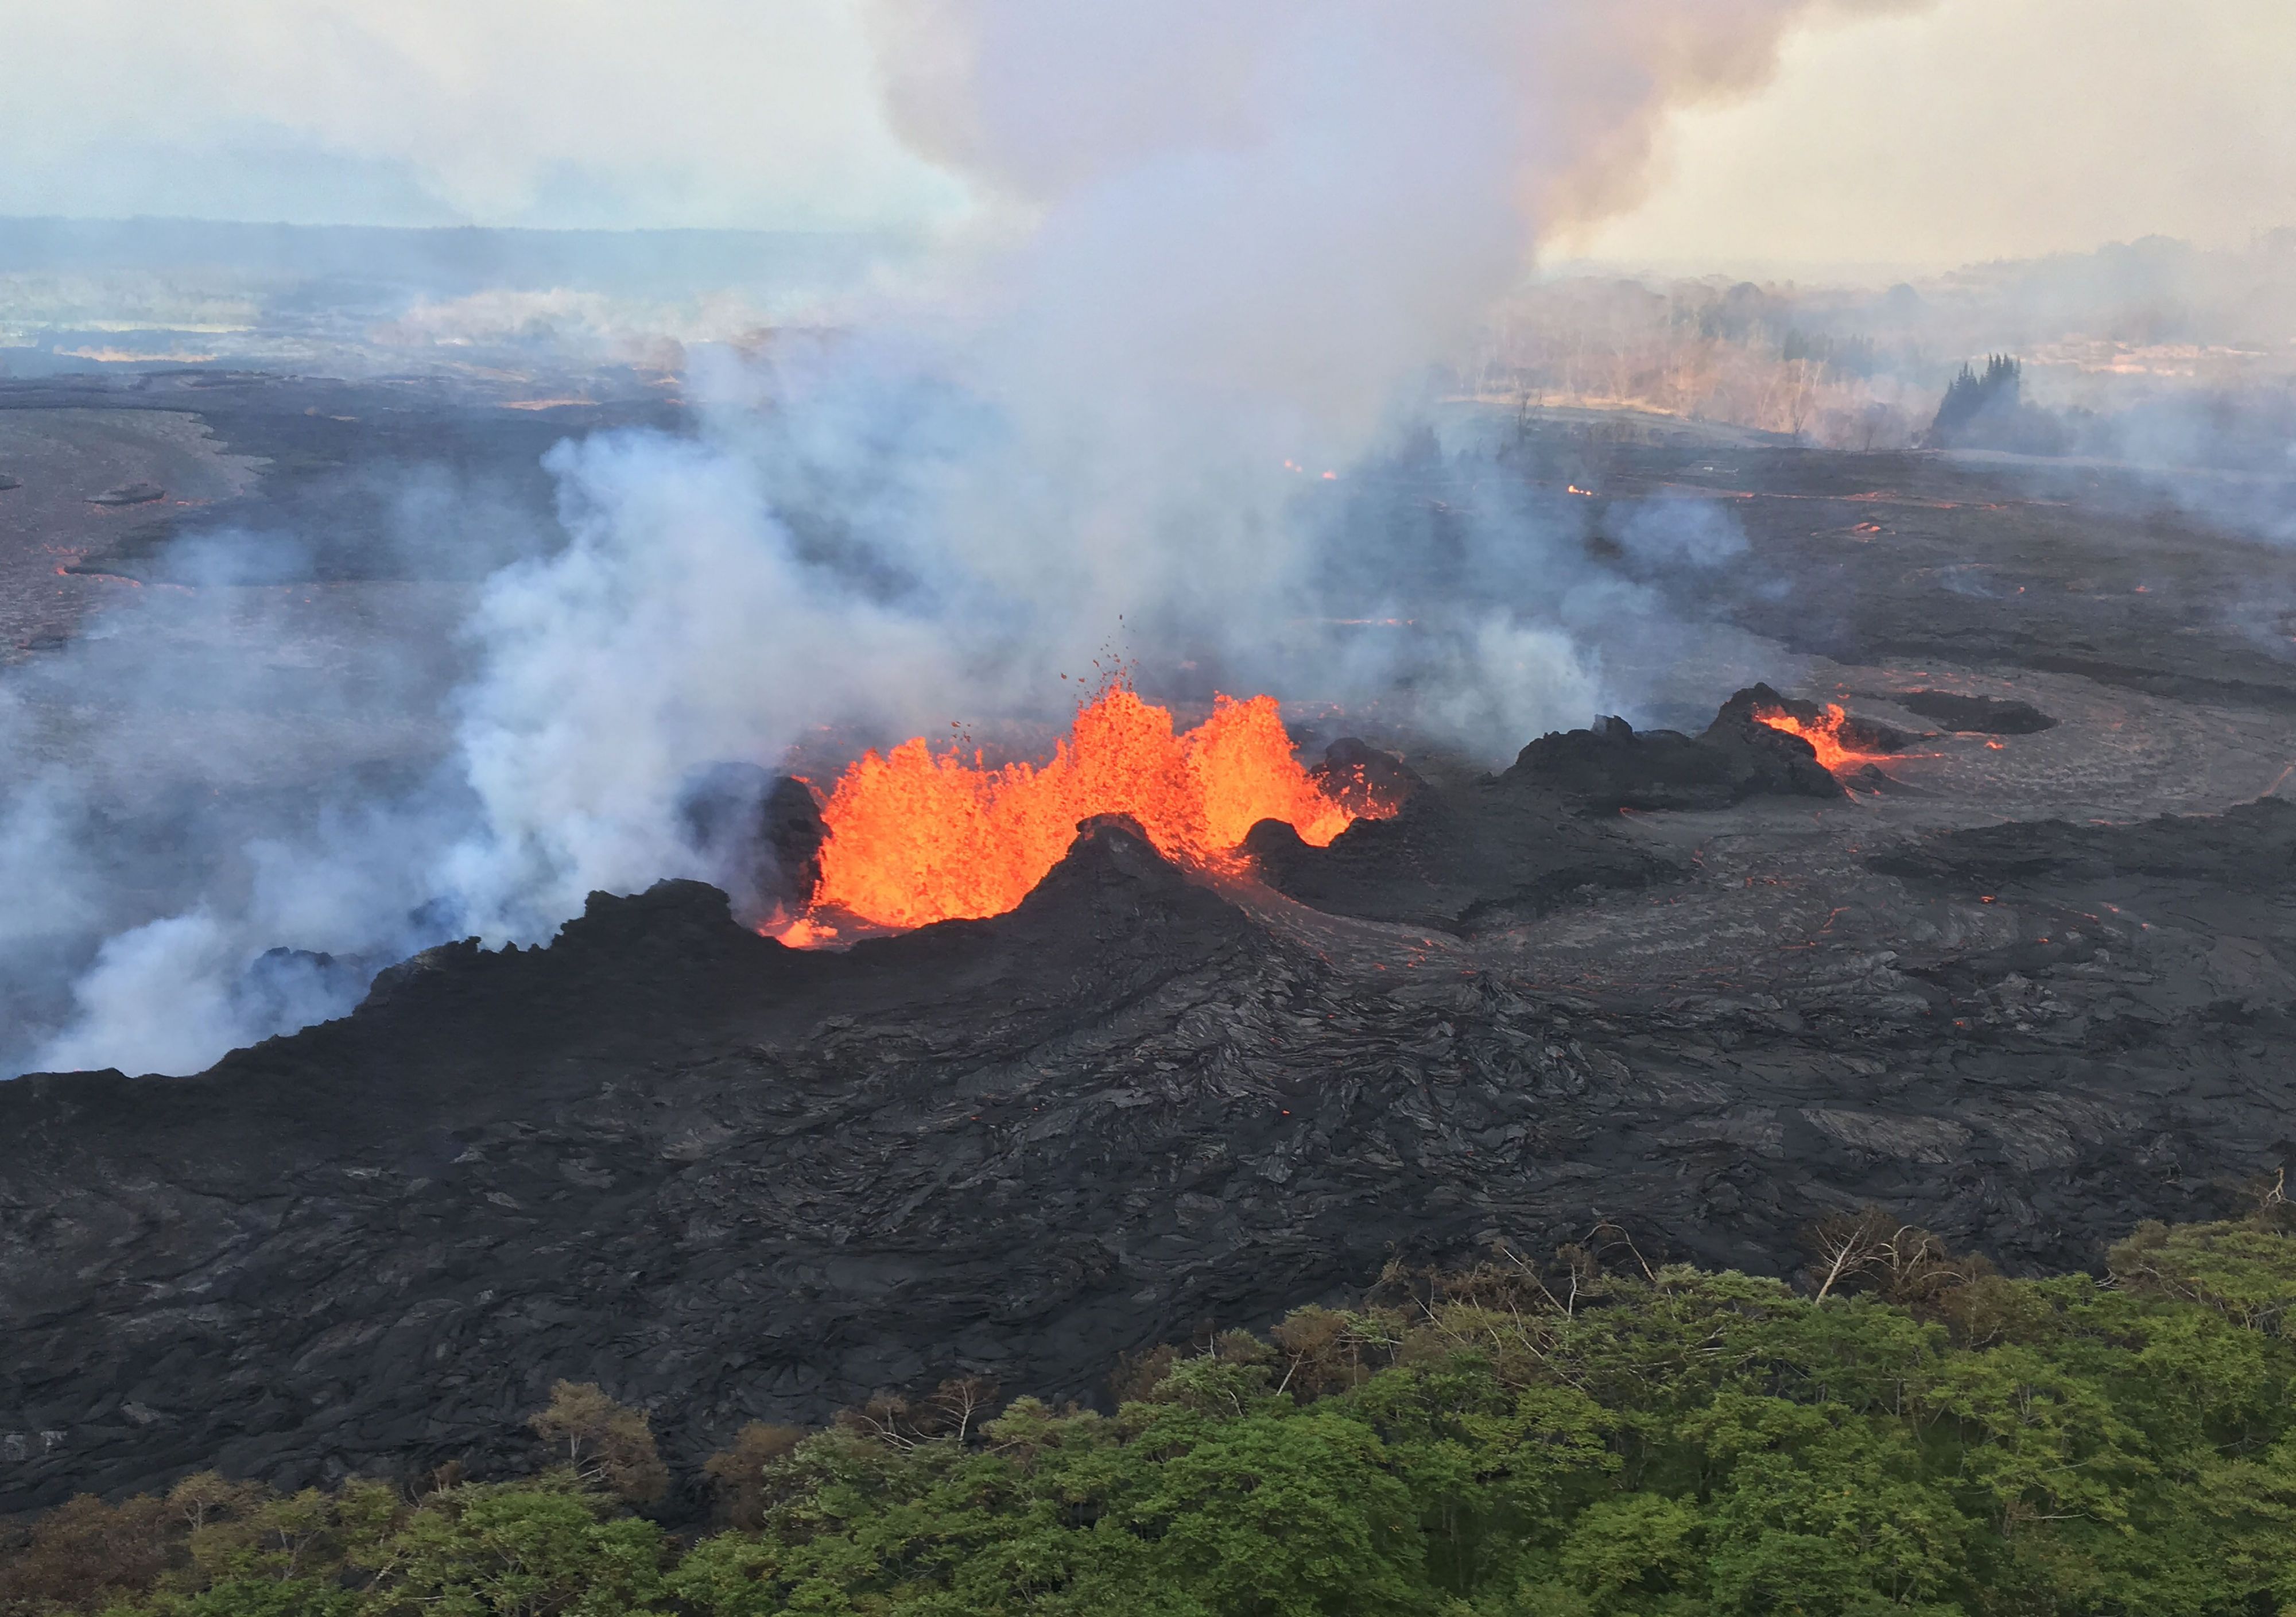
{"x": 1825, "y": 734}
{"x": 916, "y": 836}
{"x": 805, "y": 933}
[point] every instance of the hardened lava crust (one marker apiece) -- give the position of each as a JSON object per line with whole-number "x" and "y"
{"x": 2024, "y": 977}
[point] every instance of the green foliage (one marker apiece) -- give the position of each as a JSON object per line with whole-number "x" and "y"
{"x": 1929, "y": 1438}
{"x": 513, "y": 1551}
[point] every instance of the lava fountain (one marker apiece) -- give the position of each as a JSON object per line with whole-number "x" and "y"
{"x": 1823, "y": 733}
{"x": 916, "y": 836}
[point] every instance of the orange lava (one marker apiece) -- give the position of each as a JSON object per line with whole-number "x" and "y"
{"x": 916, "y": 836}
{"x": 806, "y": 933}
{"x": 1825, "y": 734}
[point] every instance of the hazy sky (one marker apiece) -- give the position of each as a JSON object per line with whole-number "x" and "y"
{"x": 554, "y": 112}
{"x": 1984, "y": 128}
{"x": 1968, "y": 129}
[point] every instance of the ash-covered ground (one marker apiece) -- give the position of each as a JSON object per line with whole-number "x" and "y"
{"x": 2026, "y": 984}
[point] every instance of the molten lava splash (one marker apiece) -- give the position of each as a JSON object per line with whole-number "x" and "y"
{"x": 1823, "y": 733}
{"x": 916, "y": 836}
{"x": 805, "y": 933}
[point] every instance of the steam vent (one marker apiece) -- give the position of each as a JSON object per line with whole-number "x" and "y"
{"x": 1041, "y": 810}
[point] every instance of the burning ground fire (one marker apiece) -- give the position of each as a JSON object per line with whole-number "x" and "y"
{"x": 1823, "y": 735}
{"x": 917, "y": 836}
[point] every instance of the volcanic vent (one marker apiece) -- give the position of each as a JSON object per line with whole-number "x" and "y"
{"x": 915, "y": 836}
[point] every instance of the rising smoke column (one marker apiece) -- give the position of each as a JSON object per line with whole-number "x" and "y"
{"x": 1211, "y": 239}
{"x": 1235, "y": 237}
{"x": 1299, "y": 202}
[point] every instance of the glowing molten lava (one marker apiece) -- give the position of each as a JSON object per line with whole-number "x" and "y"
{"x": 1823, "y": 733}
{"x": 916, "y": 836}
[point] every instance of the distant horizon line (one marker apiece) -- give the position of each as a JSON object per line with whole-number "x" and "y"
{"x": 1634, "y": 267}
{"x": 1840, "y": 273}
{"x": 550, "y": 230}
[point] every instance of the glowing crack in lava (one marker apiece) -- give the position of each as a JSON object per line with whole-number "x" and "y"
{"x": 917, "y": 836}
{"x": 1824, "y": 733}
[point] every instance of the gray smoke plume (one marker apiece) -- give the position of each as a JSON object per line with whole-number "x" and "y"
{"x": 1215, "y": 250}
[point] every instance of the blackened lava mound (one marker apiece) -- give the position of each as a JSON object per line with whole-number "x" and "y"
{"x": 654, "y": 1153}
{"x": 1736, "y": 720}
{"x": 1979, "y": 715}
{"x": 1617, "y": 767}
{"x": 1526, "y": 841}
{"x": 1364, "y": 780}
{"x": 1506, "y": 848}
{"x": 763, "y": 831}
{"x": 129, "y": 493}
{"x": 1490, "y": 852}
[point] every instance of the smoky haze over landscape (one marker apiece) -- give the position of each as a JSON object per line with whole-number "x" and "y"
{"x": 882, "y": 516}
{"x": 874, "y": 481}
{"x": 1777, "y": 657}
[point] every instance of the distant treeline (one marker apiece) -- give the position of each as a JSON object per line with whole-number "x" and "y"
{"x": 1744, "y": 354}
{"x": 1912, "y": 1433}
{"x": 1987, "y": 409}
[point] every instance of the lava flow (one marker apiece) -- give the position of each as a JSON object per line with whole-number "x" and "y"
{"x": 916, "y": 836}
{"x": 1823, "y": 735}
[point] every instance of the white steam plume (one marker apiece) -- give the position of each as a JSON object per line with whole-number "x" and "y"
{"x": 1213, "y": 239}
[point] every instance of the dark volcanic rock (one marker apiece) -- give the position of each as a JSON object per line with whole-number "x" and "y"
{"x": 2247, "y": 852}
{"x": 733, "y": 1181}
{"x": 1737, "y": 721}
{"x": 1984, "y": 715}
{"x": 1364, "y": 780}
{"x": 2208, "y": 903}
{"x": 7, "y": 482}
{"x": 1489, "y": 853}
{"x": 1467, "y": 857}
{"x": 544, "y": 1157}
{"x": 791, "y": 826}
{"x": 1735, "y": 758}
{"x": 1618, "y": 767}
{"x": 129, "y": 493}
{"x": 762, "y": 833}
